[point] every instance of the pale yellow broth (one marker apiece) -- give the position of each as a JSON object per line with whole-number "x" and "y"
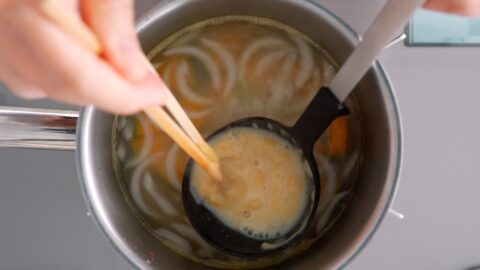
{"x": 265, "y": 186}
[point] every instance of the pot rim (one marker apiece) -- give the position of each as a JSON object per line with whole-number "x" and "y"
{"x": 112, "y": 235}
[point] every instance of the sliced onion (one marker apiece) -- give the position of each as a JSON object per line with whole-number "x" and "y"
{"x": 328, "y": 72}
{"x": 158, "y": 197}
{"x": 121, "y": 152}
{"x": 202, "y": 57}
{"x": 135, "y": 186}
{"x": 204, "y": 252}
{"x": 128, "y": 131}
{"x": 170, "y": 162}
{"x": 228, "y": 61}
{"x": 287, "y": 72}
{"x": 185, "y": 89}
{"x": 331, "y": 176}
{"x": 269, "y": 60}
{"x": 174, "y": 238}
{"x": 167, "y": 75}
{"x": 187, "y": 231}
{"x": 185, "y": 39}
{"x": 199, "y": 114}
{"x": 256, "y": 45}
{"x": 322, "y": 222}
{"x": 349, "y": 165}
{"x": 307, "y": 62}
{"x": 156, "y": 65}
{"x": 122, "y": 121}
{"x": 282, "y": 86}
{"x": 147, "y": 143}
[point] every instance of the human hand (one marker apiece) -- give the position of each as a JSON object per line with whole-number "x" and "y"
{"x": 461, "y": 7}
{"x": 38, "y": 59}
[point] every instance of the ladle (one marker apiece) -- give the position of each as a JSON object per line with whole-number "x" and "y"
{"x": 322, "y": 110}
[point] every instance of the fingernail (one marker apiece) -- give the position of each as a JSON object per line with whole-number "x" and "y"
{"x": 152, "y": 90}
{"x": 136, "y": 68}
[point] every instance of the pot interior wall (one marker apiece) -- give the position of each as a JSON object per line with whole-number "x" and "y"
{"x": 380, "y": 139}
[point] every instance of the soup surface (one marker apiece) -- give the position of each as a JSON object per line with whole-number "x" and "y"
{"x": 265, "y": 187}
{"x": 222, "y": 70}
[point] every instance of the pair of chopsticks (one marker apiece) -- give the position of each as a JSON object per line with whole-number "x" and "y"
{"x": 188, "y": 138}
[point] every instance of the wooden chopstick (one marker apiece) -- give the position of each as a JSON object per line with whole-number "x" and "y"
{"x": 193, "y": 143}
{"x": 168, "y": 125}
{"x": 181, "y": 116}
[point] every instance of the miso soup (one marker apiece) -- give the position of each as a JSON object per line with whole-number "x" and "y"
{"x": 266, "y": 188}
{"x": 222, "y": 70}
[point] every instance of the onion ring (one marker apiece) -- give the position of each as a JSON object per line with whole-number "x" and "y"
{"x": 202, "y": 57}
{"x": 227, "y": 59}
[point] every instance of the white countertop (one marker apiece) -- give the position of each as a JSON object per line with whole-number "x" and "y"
{"x": 43, "y": 221}
{"x": 438, "y": 91}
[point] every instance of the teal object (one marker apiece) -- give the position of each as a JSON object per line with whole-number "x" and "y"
{"x": 436, "y": 28}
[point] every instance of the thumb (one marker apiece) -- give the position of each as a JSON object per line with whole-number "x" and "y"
{"x": 113, "y": 23}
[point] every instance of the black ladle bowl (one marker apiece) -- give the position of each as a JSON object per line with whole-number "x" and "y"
{"x": 321, "y": 111}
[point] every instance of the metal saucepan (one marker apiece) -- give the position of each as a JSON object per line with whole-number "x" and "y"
{"x": 91, "y": 136}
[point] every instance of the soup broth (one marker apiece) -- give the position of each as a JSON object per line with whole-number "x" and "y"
{"x": 266, "y": 186}
{"x": 222, "y": 70}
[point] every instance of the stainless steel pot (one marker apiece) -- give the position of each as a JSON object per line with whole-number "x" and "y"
{"x": 381, "y": 145}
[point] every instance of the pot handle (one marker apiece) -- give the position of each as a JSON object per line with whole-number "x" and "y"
{"x": 38, "y": 128}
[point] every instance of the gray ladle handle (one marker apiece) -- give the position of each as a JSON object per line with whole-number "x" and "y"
{"x": 391, "y": 19}
{"x": 37, "y": 128}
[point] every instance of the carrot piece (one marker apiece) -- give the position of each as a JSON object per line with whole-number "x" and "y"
{"x": 339, "y": 136}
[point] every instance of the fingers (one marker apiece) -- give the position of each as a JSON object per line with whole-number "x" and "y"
{"x": 18, "y": 86}
{"x": 88, "y": 77}
{"x": 113, "y": 22}
{"x": 461, "y": 7}
{"x": 25, "y": 91}
{"x": 52, "y": 61}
